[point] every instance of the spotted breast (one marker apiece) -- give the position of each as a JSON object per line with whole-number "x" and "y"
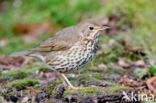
{"x": 75, "y": 58}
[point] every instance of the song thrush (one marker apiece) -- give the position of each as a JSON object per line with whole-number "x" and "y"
{"x": 70, "y": 49}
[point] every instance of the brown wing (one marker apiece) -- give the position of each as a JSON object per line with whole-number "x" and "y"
{"x": 62, "y": 40}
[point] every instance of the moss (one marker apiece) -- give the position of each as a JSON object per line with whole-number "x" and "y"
{"x": 109, "y": 71}
{"x": 22, "y": 84}
{"x": 12, "y": 75}
{"x": 88, "y": 91}
{"x": 97, "y": 75}
{"x": 51, "y": 86}
{"x": 44, "y": 69}
{"x": 1, "y": 71}
{"x": 140, "y": 73}
{"x": 90, "y": 69}
{"x": 83, "y": 70}
{"x": 41, "y": 67}
{"x": 8, "y": 94}
{"x": 152, "y": 70}
{"x": 92, "y": 90}
{"x": 82, "y": 79}
{"x": 118, "y": 71}
{"x": 119, "y": 88}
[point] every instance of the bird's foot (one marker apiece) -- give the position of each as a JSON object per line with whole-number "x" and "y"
{"x": 74, "y": 88}
{"x": 77, "y": 88}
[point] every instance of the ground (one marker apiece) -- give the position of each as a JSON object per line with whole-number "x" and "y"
{"x": 125, "y": 63}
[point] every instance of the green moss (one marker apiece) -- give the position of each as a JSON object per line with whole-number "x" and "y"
{"x": 140, "y": 73}
{"x": 118, "y": 71}
{"x": 109, "y": 72}
{"x": 90, "y": 69}
{"x": 68, "y": 91}
{"x": 12, "y": 75}
{"x": 83, "y": 70}
{"x": 82, "y": 79}
{"x": 97, "y": 75}
{"x": 1, "y": 71}
{"x": 91, "y": 90}
{"x": 152, "y": 70}
{"x": 51, "y": 86}
{"x": 119, "y": 88}
{"x": 22, "y": 84}
{"x": 44, "y": 69}
{"x": 32, "y": 66}
{"x": 88, "y": 91}
{"x": 8, "y": 94}
{"x": 150, "y": 101}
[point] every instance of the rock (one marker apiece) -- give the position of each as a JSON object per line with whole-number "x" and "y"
{"x": 25, "y": 100}
{"x": 102, "y": 66}
{"x": 41, "y": 97}
{"x": 112, "y": 42}
{"x": 13, "y": 98}
{"x": 60, "y": 92}
{"x": 3, "y": 43}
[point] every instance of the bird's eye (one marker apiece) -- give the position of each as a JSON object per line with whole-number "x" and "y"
{"x": 91, "y": 28}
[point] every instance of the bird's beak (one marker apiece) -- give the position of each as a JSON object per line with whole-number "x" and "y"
{"x": 103, "y": 28}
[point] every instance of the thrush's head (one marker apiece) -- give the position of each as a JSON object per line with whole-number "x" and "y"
{"x": 90, "y": 29}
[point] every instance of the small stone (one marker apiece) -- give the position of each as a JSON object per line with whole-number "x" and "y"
{"x": 13, "y": 98}
{"x": 25, "y": 99}
{"x": 140, "y": 63}
{"x": 3, "y": 43}
{"x": 60, "y": 92}
{"x": 102, "y": 66}
{"x": 122, "y": 63}
{"x": 9, "y": 89}
{"x": 37, "y": 71}
{"x": 112, "y": 42}
{"x": 5, "y": 71}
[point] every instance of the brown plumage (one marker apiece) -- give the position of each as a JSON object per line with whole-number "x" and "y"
{"x": 70, "y": 49}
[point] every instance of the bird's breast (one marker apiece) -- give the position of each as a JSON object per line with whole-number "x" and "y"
{"x": 75, "y": 58}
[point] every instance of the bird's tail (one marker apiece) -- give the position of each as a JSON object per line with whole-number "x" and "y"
{"x": 22, "y": 53}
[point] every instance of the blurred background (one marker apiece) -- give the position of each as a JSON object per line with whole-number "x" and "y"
{"x": 128, "y": 49}
{"x": 23, "y": 20}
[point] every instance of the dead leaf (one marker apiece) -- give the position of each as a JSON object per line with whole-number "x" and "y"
{"x": 131, "y": 82}
{"x": 28, "y": 61}
{"x": 12, "y": 61}
{"x": 33, "y": 29}
{"x": 140, "y": 63}
{"x": 131, "y": 48}
{"x": 151, "y": 84}
{"x": 123, "y": 63}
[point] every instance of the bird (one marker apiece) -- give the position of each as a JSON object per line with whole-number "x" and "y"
{"x": 69, "y": 50}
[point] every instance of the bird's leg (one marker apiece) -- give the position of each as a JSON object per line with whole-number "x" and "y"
{"x": 70, "y": 86}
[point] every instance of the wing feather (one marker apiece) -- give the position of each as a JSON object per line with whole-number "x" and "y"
{"x": 62, "y": 40}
